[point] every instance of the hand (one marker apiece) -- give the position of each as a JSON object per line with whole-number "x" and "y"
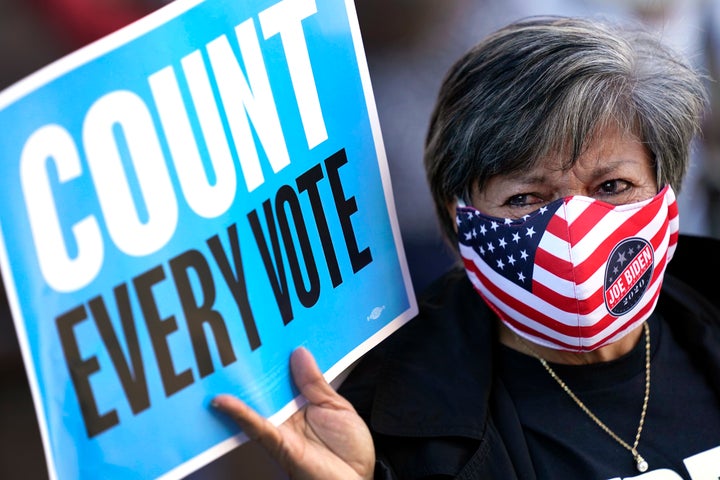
{"x": 325, "y": 439}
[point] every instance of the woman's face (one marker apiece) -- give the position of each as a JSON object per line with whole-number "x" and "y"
{"x": 616, "y": 168}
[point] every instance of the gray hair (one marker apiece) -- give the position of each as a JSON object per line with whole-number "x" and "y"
{"x": 544, "y": 85}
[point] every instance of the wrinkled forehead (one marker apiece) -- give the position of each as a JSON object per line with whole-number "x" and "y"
{"x": 570, "y": 149}
{"x": 611, "y": 153}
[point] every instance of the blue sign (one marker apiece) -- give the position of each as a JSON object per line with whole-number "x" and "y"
{"x": 183, "y": 203}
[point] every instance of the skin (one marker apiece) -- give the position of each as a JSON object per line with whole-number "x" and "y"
{"x": 326, "y": 439}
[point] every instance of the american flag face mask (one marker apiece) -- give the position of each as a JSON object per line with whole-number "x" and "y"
{"x": 578, "y": 273}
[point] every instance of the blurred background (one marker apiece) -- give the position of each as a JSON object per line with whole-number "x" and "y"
{"x": 409, "y": 45}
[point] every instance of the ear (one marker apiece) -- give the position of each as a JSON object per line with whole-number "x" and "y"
{"x": 451, "y": 208}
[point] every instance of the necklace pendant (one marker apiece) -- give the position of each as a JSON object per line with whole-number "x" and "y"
{"x": 642, "y": 465}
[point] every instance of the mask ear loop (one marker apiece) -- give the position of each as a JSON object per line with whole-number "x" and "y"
{"x": 460, "y": 202}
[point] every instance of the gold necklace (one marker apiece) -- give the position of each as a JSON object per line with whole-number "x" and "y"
{"x": 640, "y": 462}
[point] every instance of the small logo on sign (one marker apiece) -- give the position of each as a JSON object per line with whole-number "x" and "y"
{"x": 375, "y": 314}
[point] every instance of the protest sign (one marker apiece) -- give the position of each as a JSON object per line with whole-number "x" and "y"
{"x": 183, "y": 203}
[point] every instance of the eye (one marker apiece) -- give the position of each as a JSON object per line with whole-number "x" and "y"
{"x": 524, "y": 200}
{"x": 614, "y": 188}
{"x": 521, "y": 204}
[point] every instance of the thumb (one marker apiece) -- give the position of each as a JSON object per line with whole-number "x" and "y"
{"x": 308, "y": 377}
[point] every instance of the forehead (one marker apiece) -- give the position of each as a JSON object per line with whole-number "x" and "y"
{"x": 609, "y": 152}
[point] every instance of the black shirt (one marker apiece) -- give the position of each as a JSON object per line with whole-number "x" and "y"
{"x": 564, "y": 442}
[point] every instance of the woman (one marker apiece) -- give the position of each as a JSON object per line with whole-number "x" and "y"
{"x": 558, "y": 349}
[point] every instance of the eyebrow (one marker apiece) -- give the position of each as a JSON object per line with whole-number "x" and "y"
{"x": 530, "y": 178}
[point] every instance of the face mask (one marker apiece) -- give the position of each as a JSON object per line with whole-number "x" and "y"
{"x": 576, "y": 274}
